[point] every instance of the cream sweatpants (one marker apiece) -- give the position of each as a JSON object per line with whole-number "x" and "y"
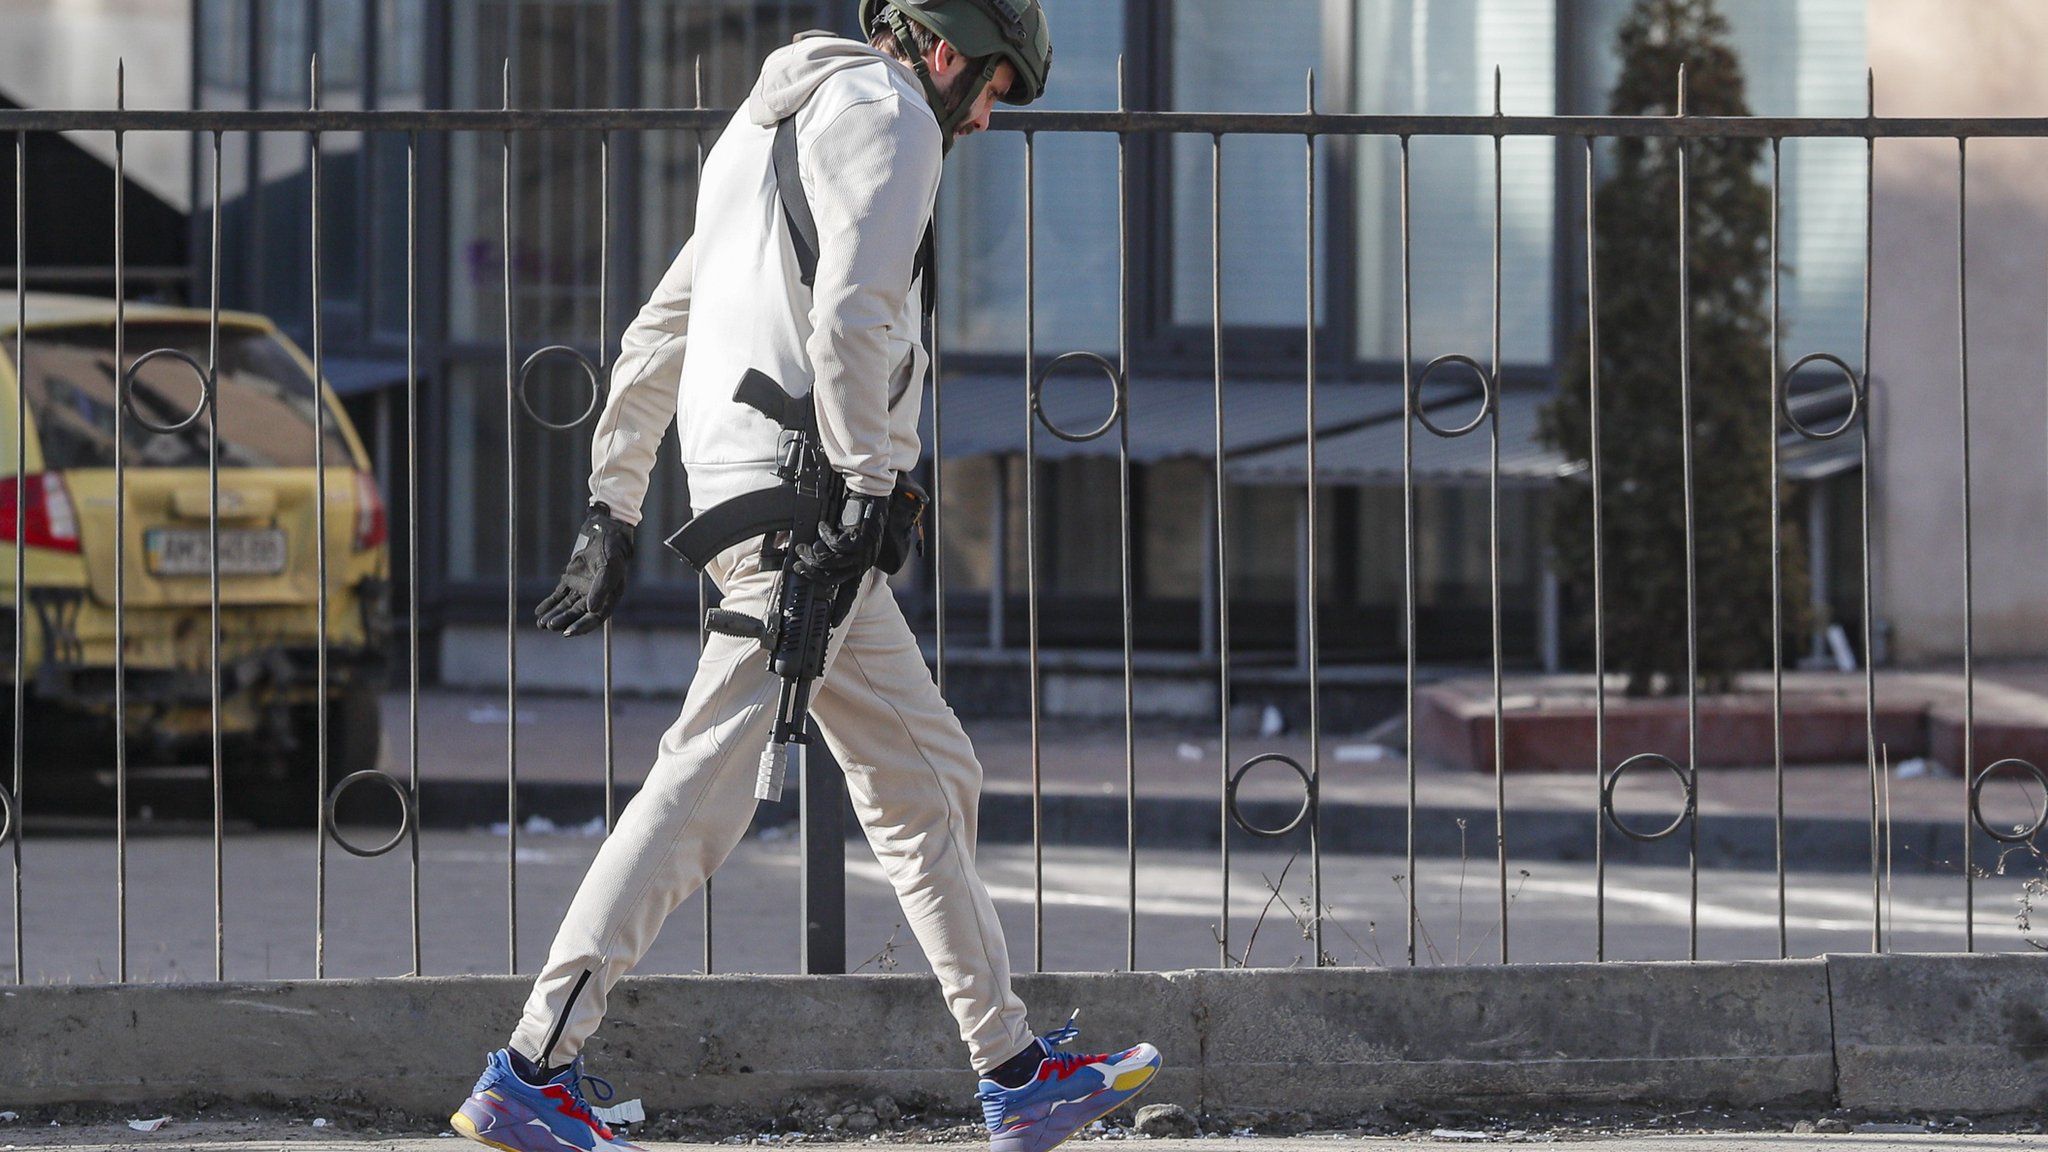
{"x": 914, "y": 783}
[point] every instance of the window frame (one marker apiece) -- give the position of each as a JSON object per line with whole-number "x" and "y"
{"x": 1267, "y": 352}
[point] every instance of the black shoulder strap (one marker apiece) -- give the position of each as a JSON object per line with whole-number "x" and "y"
{"x": 796, "y": 207}
{"x": 803, "y": 227}
{"x": 928, "y": 265}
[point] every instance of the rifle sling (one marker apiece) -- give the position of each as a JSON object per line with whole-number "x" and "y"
{"x": 803, "y": 226}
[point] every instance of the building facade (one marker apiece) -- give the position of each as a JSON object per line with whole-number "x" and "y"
{"x": 1802, "y": 57}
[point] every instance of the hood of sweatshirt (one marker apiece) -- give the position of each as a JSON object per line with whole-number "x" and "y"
{"x": 793, "y": 73}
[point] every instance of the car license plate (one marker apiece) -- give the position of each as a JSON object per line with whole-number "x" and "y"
{"x": 243, "y": 551}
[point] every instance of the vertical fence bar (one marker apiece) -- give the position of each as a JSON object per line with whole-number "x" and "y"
{"x": 1692, "y": 605}
{"x": 1408, "y": 528}
{"x": 120, "y": 531}
{"x": 20, "y": 553}
{"x": 1969, "y": 542}
{"x": 1877, "y": 842}
{"x": 1777, "y": 554}
{"x": 212, "y": 402}
{"x": 604, "y": 339}
{"x": 412, "y": 507}
{"x": 1031, "y": 546}
{"x": 937, "y": 537}
{"x": 319, "y": 539}
{"x": 1312, "y": 556}
{"x": 1500, "y": 764}
{"x": 938, "y": 486}
{"x": 1222, "y": 534}
{"x": 511, "y": 553}
{"x": 1128, "y": 574}
{"x": 703, "y": 583}
{"x": 1599, "y": 560}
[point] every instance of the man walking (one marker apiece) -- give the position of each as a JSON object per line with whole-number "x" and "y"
{"x": 871, "y": 123}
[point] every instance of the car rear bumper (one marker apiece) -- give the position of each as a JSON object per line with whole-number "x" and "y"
{"x": 254, "y": 661}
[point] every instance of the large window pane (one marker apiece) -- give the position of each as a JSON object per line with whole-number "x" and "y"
{"x": 1439, "y": 56}
{"x": 281, "y": 283}
{"x": 724, "y": 42}
{"x": 1264, "y": 178}
{"x": 982, "y": 249}
{"x": 1799, "y": 58}
{"x": 224, "y": 83}
{"x": 223, "y": 53}
{"x": 344, "y": 232}
{"x": 560, "y": 53}
{"x": 401, "y": 84}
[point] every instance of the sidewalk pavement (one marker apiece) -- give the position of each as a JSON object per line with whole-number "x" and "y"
{"x": 1179, "y": 774}
{"x": 208, "y": 1136}
{"x": 561, "y": 741}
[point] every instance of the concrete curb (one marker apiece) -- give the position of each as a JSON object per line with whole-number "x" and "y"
{"x": 1902, "y": 1033}
{"x": 1955, "y": 1033}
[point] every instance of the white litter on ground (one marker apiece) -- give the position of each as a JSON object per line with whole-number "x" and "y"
{"x": 1360, "y": 753}
{"x": 319, "y": 1122}
{"x": 629, "y": 1112}
{"x": 1915, "y": 768}
{"x": 149, "y": 1125}
{"x": 1189, "y": 751}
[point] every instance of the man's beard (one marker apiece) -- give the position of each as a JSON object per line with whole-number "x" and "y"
{"x": 953, "y": 93}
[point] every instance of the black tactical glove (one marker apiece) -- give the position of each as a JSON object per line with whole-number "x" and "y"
{"x": 847, "y": 548}
{"x": 595, "y": 578}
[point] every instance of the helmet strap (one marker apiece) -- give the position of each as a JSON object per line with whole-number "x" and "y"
{"x": 949, "y": 121}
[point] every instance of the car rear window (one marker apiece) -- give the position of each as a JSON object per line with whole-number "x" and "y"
{"x": 265, "y": 401}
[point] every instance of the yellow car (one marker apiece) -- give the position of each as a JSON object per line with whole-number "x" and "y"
{"x": 62, "y": 513}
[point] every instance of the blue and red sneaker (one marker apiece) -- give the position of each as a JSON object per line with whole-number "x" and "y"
{"x": 1069, "y": 1092}
{"x": 509, "y": 1114}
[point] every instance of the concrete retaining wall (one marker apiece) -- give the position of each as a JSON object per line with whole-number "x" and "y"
{"x": 1897, "y": 1033}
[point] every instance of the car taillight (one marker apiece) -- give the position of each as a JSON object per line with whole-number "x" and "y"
{"x": 37, "y": 512}
{"x": 370, "y": 530}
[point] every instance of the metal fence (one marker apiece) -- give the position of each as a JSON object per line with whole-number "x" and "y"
{"x": 824, "y": 947}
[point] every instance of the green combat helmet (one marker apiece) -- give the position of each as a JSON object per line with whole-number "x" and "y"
{"x": 991, "y": 30}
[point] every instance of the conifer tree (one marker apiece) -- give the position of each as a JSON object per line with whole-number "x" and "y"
{"x": 1636, "y": 250}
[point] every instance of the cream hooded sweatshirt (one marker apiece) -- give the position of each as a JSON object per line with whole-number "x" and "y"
{"x": 870, "y": 157}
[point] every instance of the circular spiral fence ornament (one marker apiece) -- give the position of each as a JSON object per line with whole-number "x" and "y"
{"x": 1487, "y": 393}
{"x": 405, "y": 812}
{"x": 1308, "y": 798}
{"x": 1117, "y": 384}
{"x": 1856, "y": 397}
{"x": 590, "y": 373}
{"x": 2019, "y": 834}
{"x": 182, "y": 357}
{"x": 1613, "y": 779}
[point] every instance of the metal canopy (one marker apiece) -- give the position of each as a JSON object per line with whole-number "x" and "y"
{"x": 1360, "y": 437}
{"x": 1170, "y": 418}
{"x": 1372, "y": 455}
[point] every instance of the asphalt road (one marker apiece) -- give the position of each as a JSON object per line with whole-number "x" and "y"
{"x": 70, "y": 923}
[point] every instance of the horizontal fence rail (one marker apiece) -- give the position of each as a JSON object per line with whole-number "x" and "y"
{"x": 1236, "y": 824}
{"x": 1125, "y": 122}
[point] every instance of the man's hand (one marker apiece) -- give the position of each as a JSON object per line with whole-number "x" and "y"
{"x": 845, "y": 550}
{"x": 595, "y": 578}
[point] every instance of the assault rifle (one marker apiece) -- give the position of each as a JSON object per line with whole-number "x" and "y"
{"x": 797, "y": 628}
